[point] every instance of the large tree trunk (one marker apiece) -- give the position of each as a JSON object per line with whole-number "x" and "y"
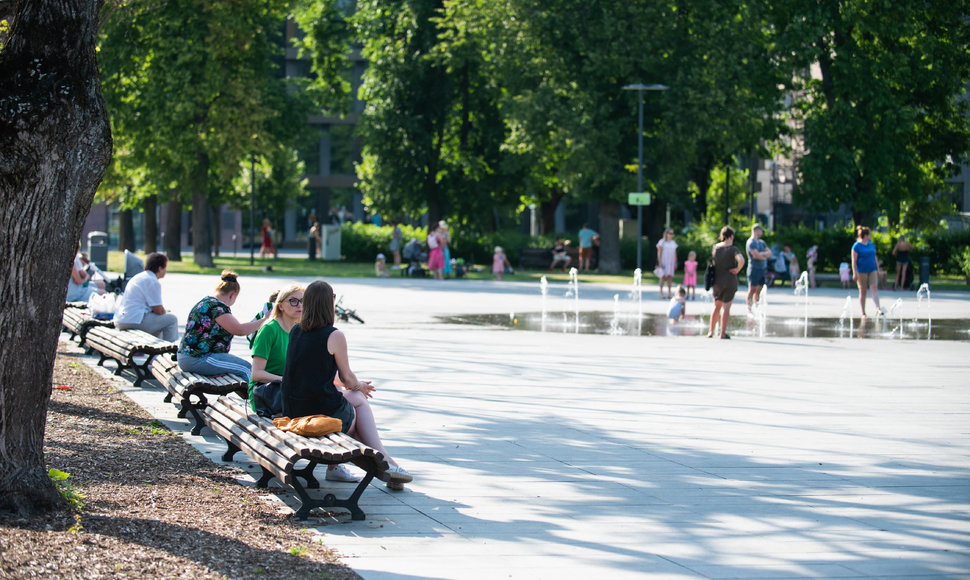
{"x": 126, "y": 230}
{"x": 151, "y": 224}
{"x": 201, "y": 233}
{"x": 55, "y": 143}
{"x": 216, "y": 228}
{"x": 173, "y": 231}
{"x": 609, "y": 230}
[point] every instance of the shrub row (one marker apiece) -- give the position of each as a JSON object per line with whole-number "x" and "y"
{"x": 362, "y": 242}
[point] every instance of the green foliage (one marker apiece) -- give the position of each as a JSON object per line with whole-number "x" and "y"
{"x": 885, "y": 122}
{"x": 66, "y": 488}
{"x": 964, "y": 261}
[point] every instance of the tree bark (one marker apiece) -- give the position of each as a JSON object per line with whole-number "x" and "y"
{"x": 151, "y": 224}
{"x": 609, "y": 230}
{"x": 126, "y": 230}
{"x": 216, "y": 228}
{"x": 173, "y": 231}
{"x": 201, "y": 233}
{"x": 55, "y": 144}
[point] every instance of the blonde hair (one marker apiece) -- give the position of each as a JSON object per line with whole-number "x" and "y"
{"x": 282, "y": 295}
{"x": 228, "y": 283}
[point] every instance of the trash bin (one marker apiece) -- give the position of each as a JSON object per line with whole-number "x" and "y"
{"x": 330, "y": 247}
{"x": 924, "y": 270}
{"x": 98, "y": 249}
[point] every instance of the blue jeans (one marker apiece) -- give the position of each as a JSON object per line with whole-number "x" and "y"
{"x": 219, "y": 363}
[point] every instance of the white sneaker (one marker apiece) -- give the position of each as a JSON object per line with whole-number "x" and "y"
{"x": 341, "y": 474}
{"x": 396, "y": 473}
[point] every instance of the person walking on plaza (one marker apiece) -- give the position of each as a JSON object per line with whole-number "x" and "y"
{"x": 728, "y": 261}
{"x": 667, "y": 261}
{"x": 436, "y": 253}
{"x": 812, "y": 257}
{"x": 690, "y": 273}
{"x": 758, "y": 254}
{"x": 901, "y": 251}
{"x": 313, "y": 241}
{"x": 865, "y": 268}
{"x": 268, "y": 247}
{"x": 586, "y": 236}
{"x": 141, "y": 304}
{"x": 396, "y": 237}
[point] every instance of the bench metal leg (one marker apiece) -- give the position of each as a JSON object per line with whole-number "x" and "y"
{"x": 231, "y": 450}
{"x": 330, "y": 500}
{"x": 264, "y": 479}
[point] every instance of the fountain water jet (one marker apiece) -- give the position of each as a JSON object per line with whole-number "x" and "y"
{"x": 924, "y": 290}
{"x": 615, "y": 329}
{"x": 574, "y": 292}
{"x": 801, "y": 287}
{"x": 544, "y": 289}
{"x": 846, "y": 315}
{"x": 637, "y": 295}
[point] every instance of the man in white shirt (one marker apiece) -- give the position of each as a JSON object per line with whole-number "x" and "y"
{"x": 141, "y": 305}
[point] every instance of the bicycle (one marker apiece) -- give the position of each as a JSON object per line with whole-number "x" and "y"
{"x": 346, "y": 314}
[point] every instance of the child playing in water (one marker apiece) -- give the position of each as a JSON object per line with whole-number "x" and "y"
{"x": 678, "y": 305}
{"x": 690, "y": 273}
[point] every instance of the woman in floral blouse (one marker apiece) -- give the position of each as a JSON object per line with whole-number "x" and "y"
{"x": 204, "y": 348}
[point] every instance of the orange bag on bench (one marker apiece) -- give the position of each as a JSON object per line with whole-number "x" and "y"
{"x": 310, "y": 426}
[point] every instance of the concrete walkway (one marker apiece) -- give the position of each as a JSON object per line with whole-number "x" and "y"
{"x": 561, "y": 455}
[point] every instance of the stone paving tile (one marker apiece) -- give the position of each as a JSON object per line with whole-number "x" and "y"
{"x": 551, "y": 455}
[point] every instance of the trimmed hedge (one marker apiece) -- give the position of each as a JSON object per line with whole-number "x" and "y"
{"x": 361, "y": 242}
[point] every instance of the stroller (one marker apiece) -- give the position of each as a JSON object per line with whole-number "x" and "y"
{"x": 414, "y": 254}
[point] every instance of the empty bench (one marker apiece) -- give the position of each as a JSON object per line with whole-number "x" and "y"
{"x": 190, "y": 389}
{"x": 289, "y": 457}
{"x": 78, "y": 321}
{"x": 123, "y": 346}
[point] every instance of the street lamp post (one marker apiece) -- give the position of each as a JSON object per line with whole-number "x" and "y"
{"x": 639, "y": 88}
{"x": 252, "y": 210}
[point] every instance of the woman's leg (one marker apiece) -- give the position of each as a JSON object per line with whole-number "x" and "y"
{"x": 364, "y": 426}
{"x": 725, "y": 318}
{"x": 715, "y": 316}
{"x": 874, "y": 290}
{"x": 862, "y": 297}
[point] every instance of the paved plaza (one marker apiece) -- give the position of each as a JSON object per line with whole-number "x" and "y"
{"x": 562, "y": 455}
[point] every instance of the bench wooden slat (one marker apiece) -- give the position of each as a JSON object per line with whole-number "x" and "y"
{"x": 231, "y": 417}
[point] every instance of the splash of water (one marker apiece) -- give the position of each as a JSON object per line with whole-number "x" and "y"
{"x": 637, "y": 294}
{"x": 801, "y": 287}
{"x": 615, "y": 329}
{"x": 924, "y": 290}
{"x": 544, "y": 289}
{"x": 846, "y": 316}
{"x": 761, "y": 312}
{"x": 574, "y": 291}
{"x": 894, "y": 312}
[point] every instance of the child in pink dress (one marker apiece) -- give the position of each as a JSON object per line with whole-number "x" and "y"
{"x": 690, "y": 273}
{"x": 499, "y": 262}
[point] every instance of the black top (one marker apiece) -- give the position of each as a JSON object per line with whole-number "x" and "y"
{"x": 308, "y": 387}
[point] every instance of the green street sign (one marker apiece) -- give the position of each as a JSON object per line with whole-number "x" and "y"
{"x": 639, "y": 199}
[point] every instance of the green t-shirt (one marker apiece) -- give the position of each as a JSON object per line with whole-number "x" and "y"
{"x": 270, "y": 343}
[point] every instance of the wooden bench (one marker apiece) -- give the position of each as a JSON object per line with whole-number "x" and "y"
{"x": 78, "y": 322}
{"x": 540, "y": 258}
{"x": 190, "y": 389}
{"x": 289, "y": 457}
{"x": 123, "y": 346}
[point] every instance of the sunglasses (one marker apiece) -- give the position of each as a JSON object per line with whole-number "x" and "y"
{"x": 294, "y": 302}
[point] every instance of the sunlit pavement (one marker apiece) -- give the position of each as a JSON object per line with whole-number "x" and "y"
{"x": 563, "y": 455}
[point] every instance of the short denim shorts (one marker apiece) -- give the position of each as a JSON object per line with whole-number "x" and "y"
{"x": 346, "y": 415}
{"x": 756, "y": 277}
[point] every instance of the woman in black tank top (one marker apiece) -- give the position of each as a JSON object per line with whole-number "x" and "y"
{"x": 317, "y": 364}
